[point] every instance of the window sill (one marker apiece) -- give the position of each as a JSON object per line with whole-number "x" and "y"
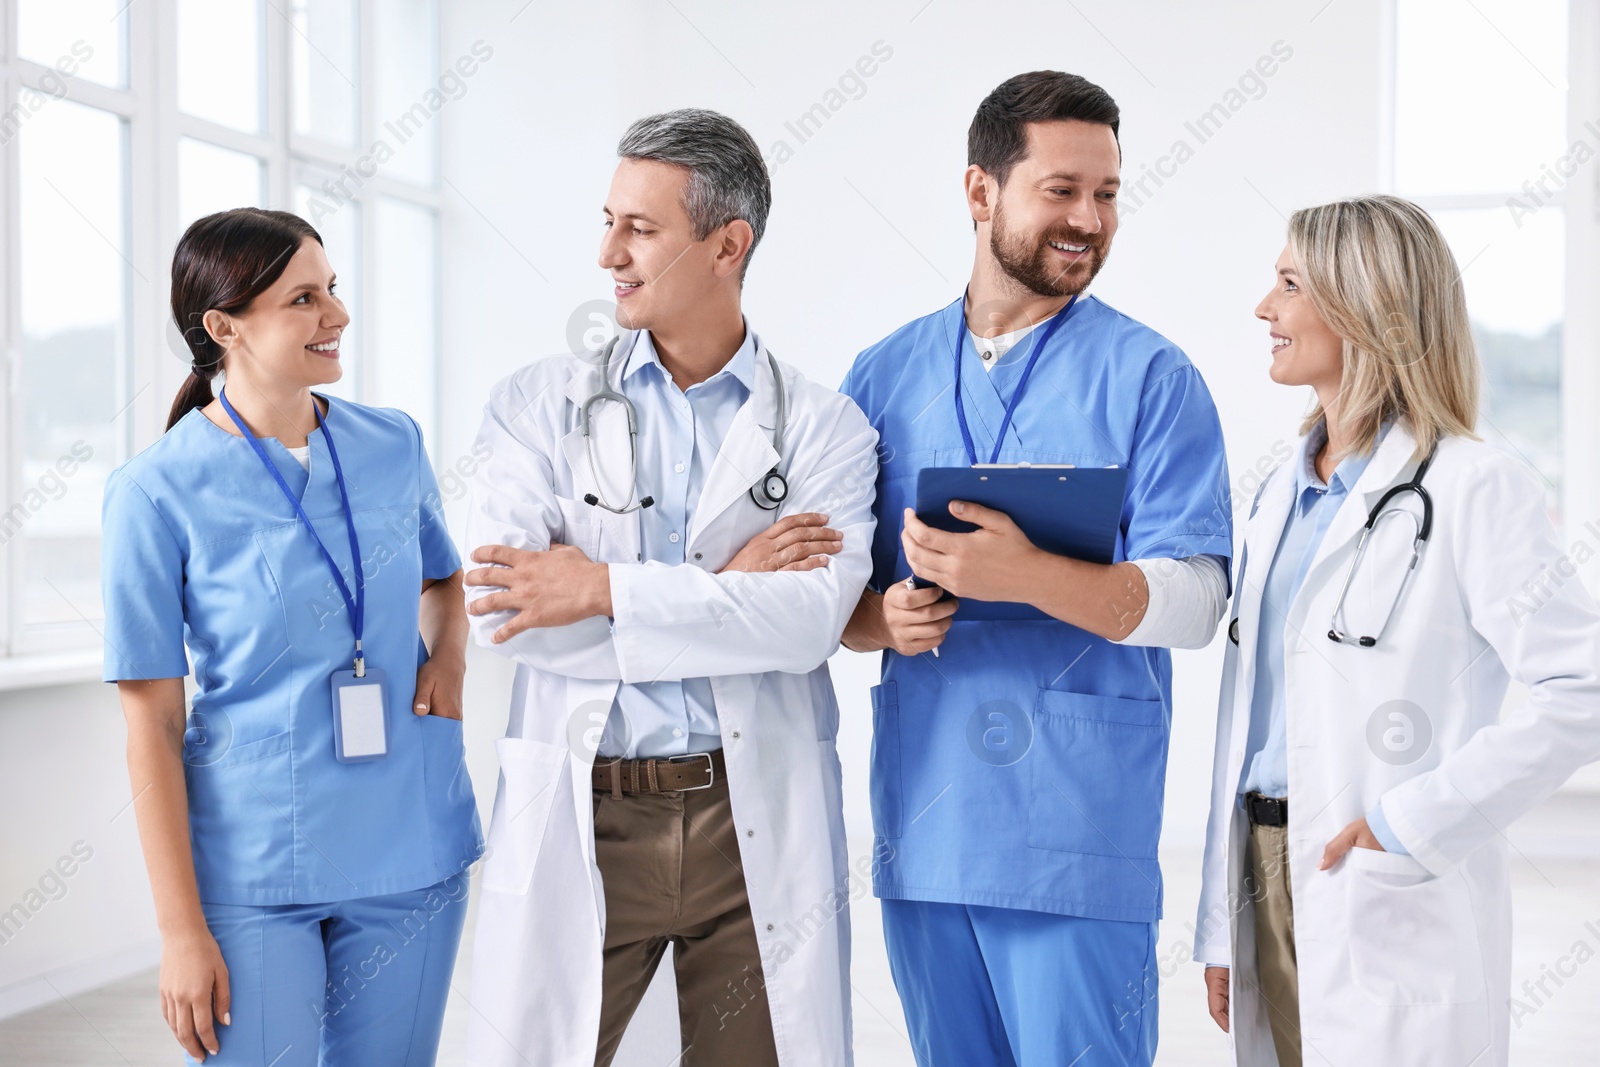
{"x": 54, "y": 668}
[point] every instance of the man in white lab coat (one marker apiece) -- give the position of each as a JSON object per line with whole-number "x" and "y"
{"x": 671, "y": 574}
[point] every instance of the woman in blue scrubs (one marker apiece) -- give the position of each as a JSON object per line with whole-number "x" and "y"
{"x": 308, "y": 824}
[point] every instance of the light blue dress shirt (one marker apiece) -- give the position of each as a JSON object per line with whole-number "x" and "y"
{"x": 1315, "y": 504}
{"x": 680, "y": 433}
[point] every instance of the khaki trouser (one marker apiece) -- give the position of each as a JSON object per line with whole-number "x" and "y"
{"x": 670, "y": 864}
{"x": 1275, "y": 958}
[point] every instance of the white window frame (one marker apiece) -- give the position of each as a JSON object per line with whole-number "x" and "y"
{"x": 1579, "y": 202}
{"x": 40, "y": 654}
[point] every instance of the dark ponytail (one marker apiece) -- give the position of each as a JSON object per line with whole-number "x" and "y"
{"x": 222, "y": 263}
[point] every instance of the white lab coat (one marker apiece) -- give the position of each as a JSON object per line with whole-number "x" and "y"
{"x": 1405, "y": 959}
{"x": 763, "y": 640}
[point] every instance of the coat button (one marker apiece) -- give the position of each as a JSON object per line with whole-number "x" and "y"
{"x": 770, "y": 928}
{"x": 736, "y": 735}
{"x": 698, "y": 556}
{"x": 749, "y": 833}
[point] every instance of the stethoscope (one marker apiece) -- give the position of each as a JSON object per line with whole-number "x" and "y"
{"x": 1421, "y": 530}
{"x": 771, "y": 491}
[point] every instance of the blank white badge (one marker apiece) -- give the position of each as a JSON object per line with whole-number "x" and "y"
{"x": 360, "y": 730}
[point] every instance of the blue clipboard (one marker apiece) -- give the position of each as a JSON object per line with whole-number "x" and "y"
{"x": 1070, "y": 511}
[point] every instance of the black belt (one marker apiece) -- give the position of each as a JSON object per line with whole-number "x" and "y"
{"x": 1266, "y": 811}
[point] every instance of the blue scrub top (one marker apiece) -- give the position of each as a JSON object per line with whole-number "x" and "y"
{"x": 1025, "y": 766}
{"x": 202, "y": 549}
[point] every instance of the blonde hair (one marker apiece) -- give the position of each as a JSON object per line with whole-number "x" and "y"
{"x": 1381, "y": 275}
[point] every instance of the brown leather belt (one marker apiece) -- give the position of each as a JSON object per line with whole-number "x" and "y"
{"x": 669, "y": 774}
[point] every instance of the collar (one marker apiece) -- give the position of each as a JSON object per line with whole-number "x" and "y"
{"x": 742, "y": 366}
{"x": 1345, "y": 474}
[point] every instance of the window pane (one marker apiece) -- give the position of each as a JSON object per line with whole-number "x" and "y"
{"x": 338, "y": 222}
{"x": 325, "y": 73}
{"x": 1513, "y": 271}
{"x": 74, "y": 323}
{"x": 81, "y": 37}
{"x": 403, "y": 370}
{"x": 408, "y": 89}
{"x": 1480, "y": 94}
{"x": 219, "y": 61}
{"x": 212, "y": 179}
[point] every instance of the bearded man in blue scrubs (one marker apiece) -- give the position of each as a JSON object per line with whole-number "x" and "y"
{"x": 1018, "y": 766}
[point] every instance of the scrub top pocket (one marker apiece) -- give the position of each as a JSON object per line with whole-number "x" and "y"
{"x": 241, "y": 809}
{"x": 1098, "y": 774}
{"x": 886, "y": 785}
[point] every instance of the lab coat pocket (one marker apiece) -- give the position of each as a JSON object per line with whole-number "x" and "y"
{"x": 530, "y": 777}
{"x": 580, "y": 527}
{"x": 1098, "y": 773}
{"x": 885, "y": 790}
{"x": 1413, "y": 935}
{"x": 239, "y": 808}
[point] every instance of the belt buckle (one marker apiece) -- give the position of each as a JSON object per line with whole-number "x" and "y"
{"x": 711, "y": 771}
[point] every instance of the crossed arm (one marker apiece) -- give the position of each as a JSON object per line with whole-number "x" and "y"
{"x": 779, "y": 604}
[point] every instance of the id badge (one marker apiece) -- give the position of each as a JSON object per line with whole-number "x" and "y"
{"x": 360, "y": 730}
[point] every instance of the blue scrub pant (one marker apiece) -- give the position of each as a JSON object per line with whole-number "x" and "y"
{"x": 1014, "y": 988}
{"x": 352, "y": 983}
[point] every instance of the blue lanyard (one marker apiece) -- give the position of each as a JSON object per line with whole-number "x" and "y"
{"x": 1040, "y": 339}
{"x": 357, "y": 604}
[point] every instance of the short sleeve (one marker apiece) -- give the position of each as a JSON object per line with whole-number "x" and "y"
{"x": 1178, "y": 502}
{"x": 141, "y": 583}
{"x": 439, "y": 556}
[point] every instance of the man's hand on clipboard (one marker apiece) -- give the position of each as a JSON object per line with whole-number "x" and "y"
{"x": 994, "y": 562}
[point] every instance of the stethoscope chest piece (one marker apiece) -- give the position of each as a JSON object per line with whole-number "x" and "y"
{"x": 771, "y": 491}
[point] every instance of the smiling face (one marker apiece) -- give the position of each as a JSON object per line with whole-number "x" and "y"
{"x": 289, "y": 334}
{"x": 1305, "y": 350}
{"x": 660, "y": 270}
{"x": 1053, "y": 220}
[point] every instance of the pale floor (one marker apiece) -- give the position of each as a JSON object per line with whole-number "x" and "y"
{"x": 1556, "y": 868}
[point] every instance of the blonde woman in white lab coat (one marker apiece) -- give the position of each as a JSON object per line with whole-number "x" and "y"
{"x": 1355, "y": 907}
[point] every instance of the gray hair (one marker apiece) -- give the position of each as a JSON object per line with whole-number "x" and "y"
{"x": 727, "y": 176}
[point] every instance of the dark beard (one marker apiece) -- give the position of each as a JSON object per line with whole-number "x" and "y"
{"x": 1032, "y": 263}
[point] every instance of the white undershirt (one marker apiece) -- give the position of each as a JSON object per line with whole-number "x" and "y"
{"x": 303, "y": 454}
{"x": 1187, "y": 599}
{"x": 992, "y": 350}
